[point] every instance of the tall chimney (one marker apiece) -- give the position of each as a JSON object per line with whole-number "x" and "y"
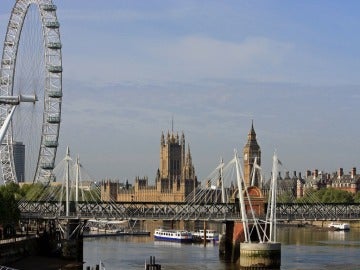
{"x": 340, "y": 173}
{"x": 316, "y": 173}
{"x": 353, "y": 172}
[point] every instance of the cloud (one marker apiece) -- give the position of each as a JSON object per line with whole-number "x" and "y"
{"x": 117, "y": 15}
{"x": 205, "y": 57}
{"x": 189, "y": 58}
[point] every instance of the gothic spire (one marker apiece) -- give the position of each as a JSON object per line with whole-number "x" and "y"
{"x": 162, "y": 140}
{"x": 188, "y": 156}
{"x": 252, "y": 136}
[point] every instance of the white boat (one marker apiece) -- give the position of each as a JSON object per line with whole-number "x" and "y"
{"x": 211, "y": 235}
{"x": 106, "y": 226}
{"x": 339, "y": 226}
{"x": 181, "y": 236}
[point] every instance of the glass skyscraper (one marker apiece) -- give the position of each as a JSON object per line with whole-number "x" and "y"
{"x": 19, "y": 160}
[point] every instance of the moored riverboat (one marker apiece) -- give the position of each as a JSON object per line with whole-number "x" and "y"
{"x": 181, "y": 236}
{"x": 211, "y": 236}
{"x": 337, "y": 226}
{"x": 100, "y": 228}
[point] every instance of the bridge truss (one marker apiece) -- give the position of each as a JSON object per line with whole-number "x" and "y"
{"x": 132, "y": 210}
{"x": 315, "y": 211}
{"x": 184, "y": 211}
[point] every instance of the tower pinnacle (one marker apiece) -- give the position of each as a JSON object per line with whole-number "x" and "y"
{"x": 251, "y": 152}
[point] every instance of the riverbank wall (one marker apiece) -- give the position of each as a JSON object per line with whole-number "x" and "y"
{"x": 321, "y": 223}
{"x": 34, "y": 252}
{"x": 14, "y": 249}
{"x": 326, "y": 223}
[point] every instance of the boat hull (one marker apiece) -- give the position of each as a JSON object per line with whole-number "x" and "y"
{"x": 171, "y": 239}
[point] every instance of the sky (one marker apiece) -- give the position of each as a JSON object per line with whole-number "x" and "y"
{"x": 291, "y": 67}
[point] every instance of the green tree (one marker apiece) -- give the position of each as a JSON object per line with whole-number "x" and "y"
{"x": 32, "y": 192}
{"x": 9, "y": 211}
{"x": 310, "y": 196}
{"x": 357, "y": 197}
{"x": 286, "y": 197}
{"x": 326, "y": 195}
{"x": 332, "y": 195}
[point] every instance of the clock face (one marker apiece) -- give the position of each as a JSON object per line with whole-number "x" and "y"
{"x": 245, "y": 157}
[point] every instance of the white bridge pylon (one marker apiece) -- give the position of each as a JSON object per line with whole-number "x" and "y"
{"x": 260, "y": 226}
{"x": 263, "y": 234}
{"x": 220, "y": 183}
{"x": 67, "y": 188}
{"x": 69, "y": 174}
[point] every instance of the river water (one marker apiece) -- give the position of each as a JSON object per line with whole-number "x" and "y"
{"x": 302, "y": 248}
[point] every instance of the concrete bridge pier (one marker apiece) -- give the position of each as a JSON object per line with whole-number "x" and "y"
{"x": 253, "y": 255}
{"x": 228, "y": 249}
{"x": 260, "y": 255}
{"x": 71, "y": 242}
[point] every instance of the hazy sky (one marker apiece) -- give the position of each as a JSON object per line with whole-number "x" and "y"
{"x": 129, "y": 66}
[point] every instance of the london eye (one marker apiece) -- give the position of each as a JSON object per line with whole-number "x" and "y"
{"x": 31, "y": 65}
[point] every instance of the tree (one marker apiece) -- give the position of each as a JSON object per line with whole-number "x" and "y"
{"x": 32, "y": 192}
{"x": 9, "y": 211}
{"x": 357, "y": 197}
{"x": 286, "y": 197}
{"x": 332, "y": 195}
{"x": 327, "y": 195}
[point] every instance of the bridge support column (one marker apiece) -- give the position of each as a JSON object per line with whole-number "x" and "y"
{"x": 229, "y": 247}
{"x": 72, "y": 240}
{"x": 260, "y": 256}
{"x": 226, "y": 244}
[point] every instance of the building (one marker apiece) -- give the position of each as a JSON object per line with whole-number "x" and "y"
{"x": 251, "y": 153}
{"x": 175, "y": 178}
{"x": 347, "y": 182}
{"x": 19, "y": 160}
{"x": 339, "y": 180}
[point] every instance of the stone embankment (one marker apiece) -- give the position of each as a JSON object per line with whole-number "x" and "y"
{"x": 320, "y": 223}
{"x": 31, "y": 252}
{"x": 17, "y": 248}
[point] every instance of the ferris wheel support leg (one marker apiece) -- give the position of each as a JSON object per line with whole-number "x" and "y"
{"x": 5, "y": 126}
{"x": 67, "y": 180}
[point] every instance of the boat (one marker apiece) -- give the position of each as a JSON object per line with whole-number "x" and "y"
{"x": 120, "y": 233}
{"x": 339, "y": 226}
{"x": 106, "y": 226}
{"x": 100, "y": 228}
{"x": 211, "y": 236}
{"x": 181, "y": 236}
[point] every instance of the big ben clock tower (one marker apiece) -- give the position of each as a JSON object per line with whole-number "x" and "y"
{"x": 251, "y": 152}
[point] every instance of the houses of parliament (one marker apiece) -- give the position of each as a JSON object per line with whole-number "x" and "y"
{"x": 176, "y": 180}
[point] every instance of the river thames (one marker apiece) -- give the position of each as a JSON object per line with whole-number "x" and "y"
{"x": 302, "y": 248}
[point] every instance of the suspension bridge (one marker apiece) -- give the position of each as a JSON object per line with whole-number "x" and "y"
{"x": 69, "y": 198}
